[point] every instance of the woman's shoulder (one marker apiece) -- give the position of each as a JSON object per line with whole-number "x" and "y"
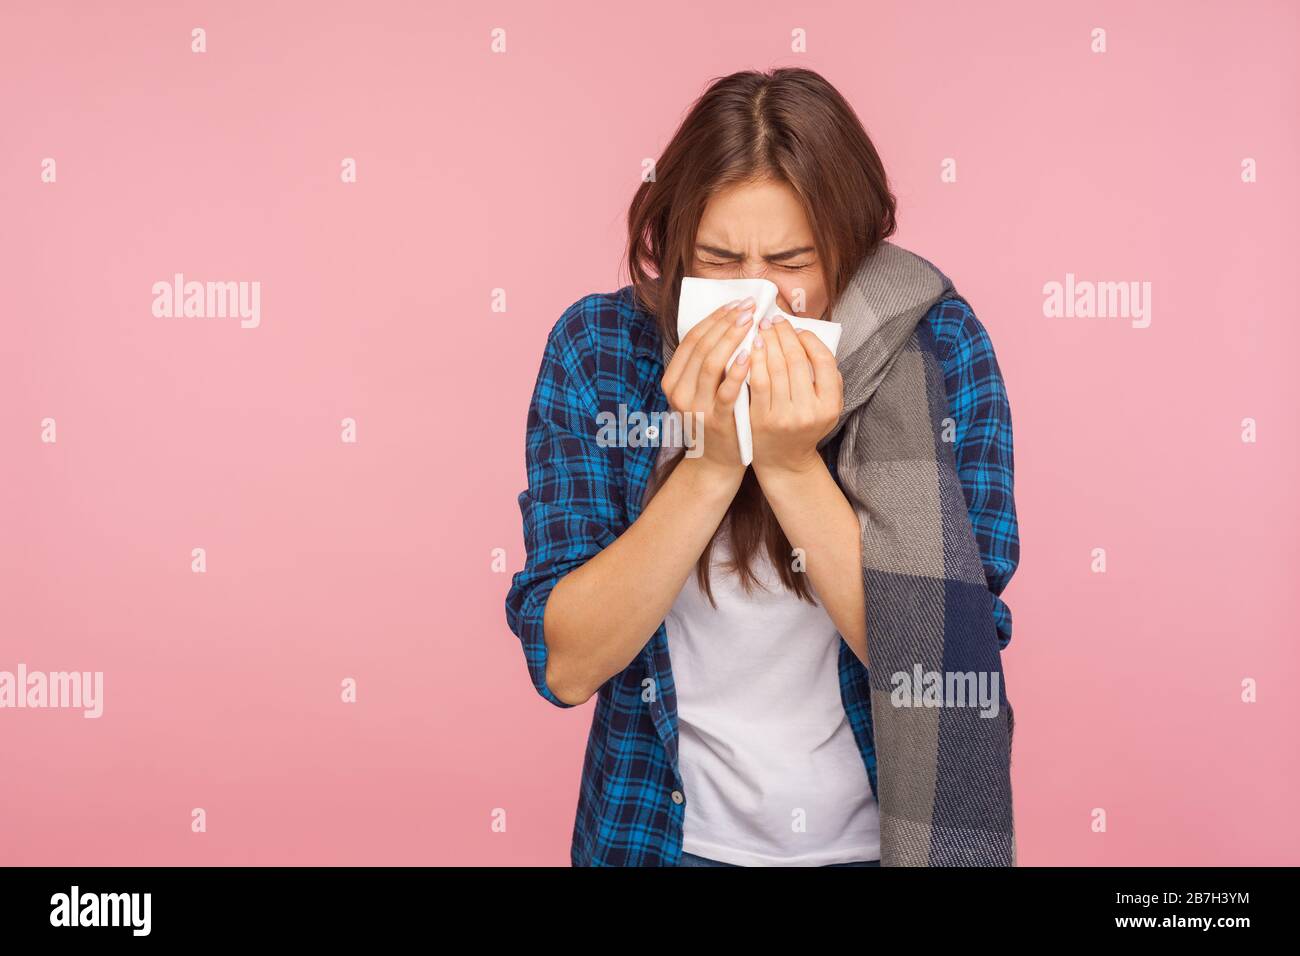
{"x": 959, "y": 337}
{"x": 611, "y": 325}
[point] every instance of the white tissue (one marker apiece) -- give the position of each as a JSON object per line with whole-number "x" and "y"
{"x": 701, "y": 297}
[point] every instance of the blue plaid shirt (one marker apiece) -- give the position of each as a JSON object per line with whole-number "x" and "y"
{"x": 604, "y": 352}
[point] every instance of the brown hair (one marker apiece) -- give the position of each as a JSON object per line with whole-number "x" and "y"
{"x": 789, "y": 125}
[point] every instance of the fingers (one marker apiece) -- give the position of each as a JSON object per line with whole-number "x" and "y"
{"x": 729, "y": 391}
{"x": 798, "y": 369}
{"x": 713, "y": 351}
{"x": 826, "y": 373}
{"x": 687, "y": 347}
{"x": 715, "y": 362}
{"x": 778, "y": 371}
{"x": 682, "y": 354}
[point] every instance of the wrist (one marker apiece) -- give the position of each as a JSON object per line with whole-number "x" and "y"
{"x": 710, "y": 477}
{"x": 776, "y": 477}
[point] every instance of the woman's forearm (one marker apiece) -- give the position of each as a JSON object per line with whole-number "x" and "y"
{"x": 818, "y": 519}
{"x": 600, "y": 615}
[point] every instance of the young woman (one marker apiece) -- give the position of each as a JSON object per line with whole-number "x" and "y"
{"x": 718, "y": 610}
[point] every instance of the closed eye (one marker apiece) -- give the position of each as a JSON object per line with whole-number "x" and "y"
{"x": 780, "y": 265}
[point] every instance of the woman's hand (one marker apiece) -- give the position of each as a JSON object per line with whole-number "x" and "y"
{"x": 590, "y": 636}
{"x": 796, "y": 395}
{"x": 697, "y": 382}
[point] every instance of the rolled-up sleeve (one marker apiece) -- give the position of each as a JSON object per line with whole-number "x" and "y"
{"x": 571, "y": 504}
{"x": 984, "y": 453}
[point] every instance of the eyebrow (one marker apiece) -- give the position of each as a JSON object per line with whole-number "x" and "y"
{"x": 774, "y": 257}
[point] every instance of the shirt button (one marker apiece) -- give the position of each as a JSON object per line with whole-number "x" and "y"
{"x": 677, "y": 797}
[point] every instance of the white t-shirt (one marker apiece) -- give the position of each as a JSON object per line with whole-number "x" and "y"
{"x": 773, "y": 775}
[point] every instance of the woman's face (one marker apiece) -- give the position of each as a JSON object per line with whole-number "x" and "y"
{"x": 759, "y": 231}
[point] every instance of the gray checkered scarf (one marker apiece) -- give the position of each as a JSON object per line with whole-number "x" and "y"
{"x": 943, "y": 761}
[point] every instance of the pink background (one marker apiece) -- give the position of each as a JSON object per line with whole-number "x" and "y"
{"x": 480, "y": 171}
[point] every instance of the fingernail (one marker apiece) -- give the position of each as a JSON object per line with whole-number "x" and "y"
{"x": 766, "y": 323}
{"x": 732, "y": 304}
{"x": 747, "y": 300}
{"x": 779, "y": 317}
{"x": 743, "y": 357}
{"x": 745, "y": 316}
{"x": 758, "y": 343}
